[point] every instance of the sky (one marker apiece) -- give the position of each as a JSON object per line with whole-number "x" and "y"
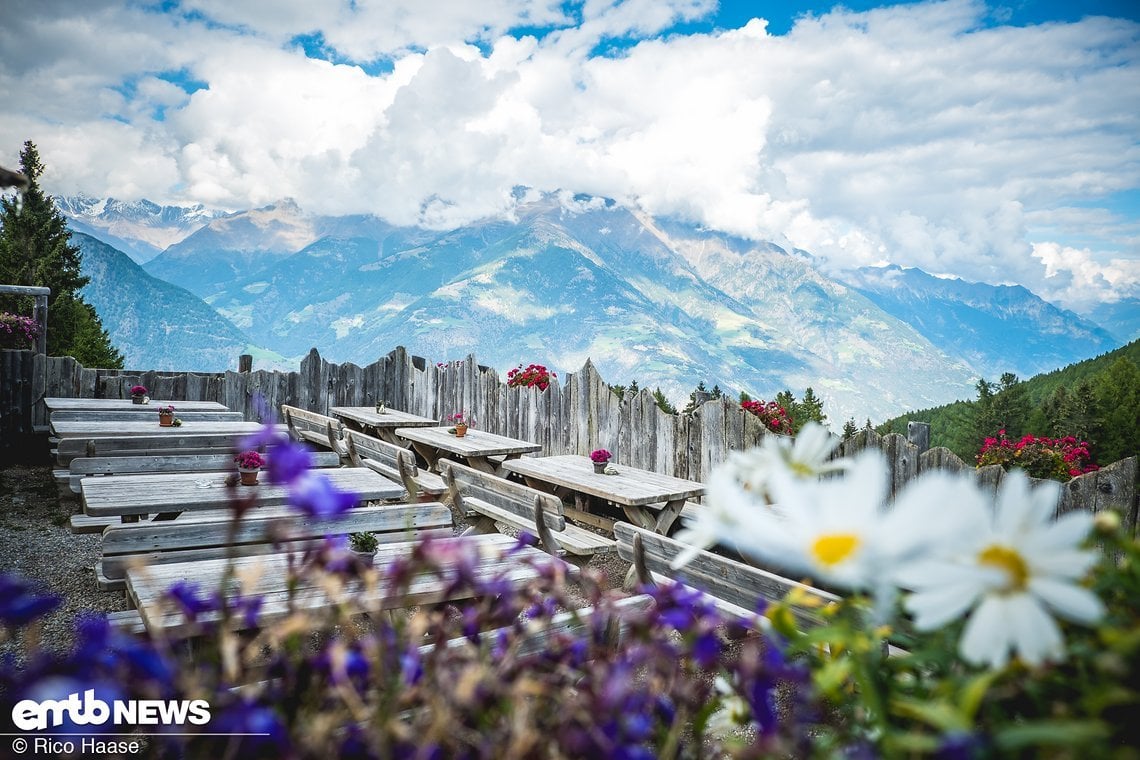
{"x": 998, "y": 142}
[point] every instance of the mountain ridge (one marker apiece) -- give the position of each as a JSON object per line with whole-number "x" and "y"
{"x": 657, "y": 300}
{"x": 156, "y": 325}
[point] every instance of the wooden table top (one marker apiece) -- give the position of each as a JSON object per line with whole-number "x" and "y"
{"x": 268, "y": 576}
{"x": 57, "y": 404}
{"x": 630, "y": 487}
{"x": 121, "y": 429}
{"x": 390, "y": 418}
{"x": 120, "y": 495}
{"x": 477, "y": 443}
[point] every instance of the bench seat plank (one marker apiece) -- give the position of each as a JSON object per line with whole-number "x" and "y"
{"x": 574, "y": 539}
{"x": 497, "y": 500}
{"x": 725, "y": 579}
{"x": 267, "y": 576}
{"x": 127, "y": 465}
{"x": 166, "y": 542}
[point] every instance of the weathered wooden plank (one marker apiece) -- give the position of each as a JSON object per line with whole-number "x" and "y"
{"x": 468, "y": 483}
{"x": 741, "y": 585}
{"x": 126, "y": 495}
{"x": 940, "y": 458}
{"x": 284, "y": 595}
{"x": 164, "y": 542}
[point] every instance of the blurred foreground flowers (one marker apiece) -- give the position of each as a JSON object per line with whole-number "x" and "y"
{"x": 1012, "y": 636}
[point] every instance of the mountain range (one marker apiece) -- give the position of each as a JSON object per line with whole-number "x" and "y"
{"x": 659, "y": 301}
{"x": 156, "y": 325}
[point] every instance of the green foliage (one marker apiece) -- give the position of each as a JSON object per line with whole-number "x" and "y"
{"x": 1097, "y": 400}
{"x": 626, "y": 390}
{"x": 1001, "y": 406}
{"x": 75, "y": 330}
{"x": 363, "y": 542}
{"x": 699, "y": 395}
{"x": 850, "y": 428}
{"x": 1117, "y": 397}
{"x": 924, "y": 703}
{"x": 663, "y": 403}
{"x": 810, "y": 408}
{"x": 36, "y": 249}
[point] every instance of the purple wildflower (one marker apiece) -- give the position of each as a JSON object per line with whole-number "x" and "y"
{"x": 288, "y": 462}
{"x": 251, "y": 730}
{"x": 19, "y": 602}
{"x": 315, "y": 495}
{"x": 411, "y": 666}
{"x": 189, "y": 598}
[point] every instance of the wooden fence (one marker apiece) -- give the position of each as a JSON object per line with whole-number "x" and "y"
{"x": 575, "y": 415}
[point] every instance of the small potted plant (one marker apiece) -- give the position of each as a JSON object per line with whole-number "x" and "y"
{"x": 363, "y": 545}
{"x": 138, "y": 394}
{"x": 166, "y": 416}
{"x": 381, "y": 407}
{"x": 248, "y": 464}
{"x": 600, "y": 458}
{"x": 460, "y": 421}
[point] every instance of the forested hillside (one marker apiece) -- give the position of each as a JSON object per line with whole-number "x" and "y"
{"x": 1097, "y": 400}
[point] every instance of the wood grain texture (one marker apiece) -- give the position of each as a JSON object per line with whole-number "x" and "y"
{"x": 59, "y": 404}
{"x": 631, "y": 486}
{"x": 269, "y": 577}
{"x": 187, "y": 492}
{"x": 153, "y": 543}
{"x": 741, "y": 585}
{"x": 115, "y": 415}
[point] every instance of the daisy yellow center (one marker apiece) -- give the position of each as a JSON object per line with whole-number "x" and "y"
{"x": 832, "y": 549}
{"x": 801, "y": 469}
{"x": 1008, "y": 561}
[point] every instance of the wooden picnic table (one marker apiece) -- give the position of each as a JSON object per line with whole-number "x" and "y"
{"x": 60, "y": 404}
{"x": 156, "y": 441}
{"x": 129, "y": 496}
{"x": 381, "y": 424}
{"x": 269, "y": 577}
{"x": 476, "y": 448}
{"x": 649, "y": 500}
{"x": 149, "y": 427}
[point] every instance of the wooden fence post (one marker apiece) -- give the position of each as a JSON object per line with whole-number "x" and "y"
{"x": 39, "y": 310}
{"x": 245, "y": 363}
{"x": 918, "y": 433}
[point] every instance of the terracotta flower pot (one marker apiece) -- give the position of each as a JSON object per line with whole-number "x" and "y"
{"x": 248, "y": 475}
{"x": 166, "y": 420}
{"x": 460, "y": 430}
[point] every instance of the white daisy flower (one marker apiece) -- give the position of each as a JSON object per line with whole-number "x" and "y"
{"x": 806, "y": 457}
{"x": 1016, "y": 569}
{"x": 738, "y": 496}
{"x": 837, "y": 530}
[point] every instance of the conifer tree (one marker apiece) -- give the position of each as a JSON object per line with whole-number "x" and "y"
{"x": 36, "y": 249}
{"x": 1118, "y": 396}
{"x": 662, "y": 402}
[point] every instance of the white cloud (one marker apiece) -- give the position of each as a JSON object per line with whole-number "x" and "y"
{"x": 909, "y": 133}
{"x": 1074, "y": 276}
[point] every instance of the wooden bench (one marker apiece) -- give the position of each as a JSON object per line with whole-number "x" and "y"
{"x": 734, "y": 586}
{"x": 262, "y": 531}
{"x": 393, "y": 462}
{"x": 286, "y": 595}
{"x": 316, "y": 428}
{"x": 132, "y": 445}
{"x": 495, "y": 500}
{"x": 70, "y": 480}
